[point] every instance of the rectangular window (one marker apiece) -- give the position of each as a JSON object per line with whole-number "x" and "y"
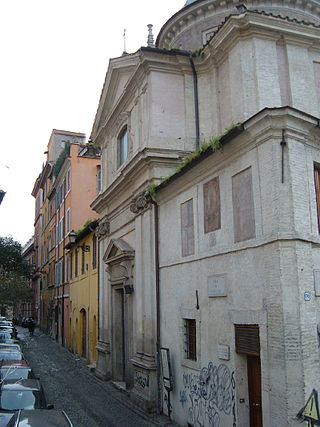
{"x": 99, "y": 182}
{"x": 211, "y": 201}
{"x": 61, "y": 230}
{"x": 94, "y": 251}
{"x": 243, "y": 206}
{"x": 123, "y": 146}
{"x": 247, "y": 339}
{"x": 187, "y": 228}
{"x": 317, "y": 188}
{"x": 48, "y": 247}
{"x": 68, "y": 180}
{"x": 82, "y": 261}
{"x": 190, "y": 339}
{"x": 76, "y": 263}
{"x": 71, "y": 266}
{"x": 67, "y": 269}
{"x": 68, "y": 221}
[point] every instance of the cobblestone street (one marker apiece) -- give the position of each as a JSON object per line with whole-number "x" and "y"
{"x": 71, "y": 386}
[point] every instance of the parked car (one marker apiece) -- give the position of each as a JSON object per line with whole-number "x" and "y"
{"x": 6, "y": 339}
{"x": 10, "y": 345}
{"x": 4, "y": 336}
{"x": 8, "y": 354}
{"x": 40, "y": 418}
{"x": 22, "y": 394}
{"x": 11, "y": 330}
{"x": 15, "y": 369}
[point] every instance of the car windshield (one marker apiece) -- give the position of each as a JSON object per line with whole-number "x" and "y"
{"x": 12, "y": 400}
{"x": 13, "y": 373}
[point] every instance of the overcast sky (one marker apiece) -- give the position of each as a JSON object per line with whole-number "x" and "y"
{"x": 54, "y": 57}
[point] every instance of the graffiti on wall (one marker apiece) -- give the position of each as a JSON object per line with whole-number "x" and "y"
{"x": 310, "y": 411}
{"x": 208, "y": 395}
{"x": 142, "y": 380}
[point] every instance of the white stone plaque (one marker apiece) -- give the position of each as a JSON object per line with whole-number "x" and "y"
{"x": 217, "y": 286}
{"x": 224, "y": 352}
{"x": 316, "y": 274}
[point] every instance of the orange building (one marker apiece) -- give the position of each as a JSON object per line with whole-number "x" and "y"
{"x": 67, "y": 186}
{"x": 75, "y": 174}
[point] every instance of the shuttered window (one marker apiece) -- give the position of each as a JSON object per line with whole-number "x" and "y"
{"x": 317, "y": 188}
{"x": 82, "y": 261}
{"x": 76, "y": 263}
{"x": 94, "y": 251}
{"x": 247, "y": 339}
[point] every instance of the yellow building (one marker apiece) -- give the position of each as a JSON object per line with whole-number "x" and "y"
{"x": 82, "y": 270}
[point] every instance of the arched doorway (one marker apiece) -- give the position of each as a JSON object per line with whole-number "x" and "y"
{"x": 119, "y": 259}
{"x": 83, "y": 320}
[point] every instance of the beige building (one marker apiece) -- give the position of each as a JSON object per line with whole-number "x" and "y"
{"x": 228, "y": 253}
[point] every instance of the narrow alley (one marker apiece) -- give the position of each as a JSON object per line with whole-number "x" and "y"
{"x": 71, "y": 386}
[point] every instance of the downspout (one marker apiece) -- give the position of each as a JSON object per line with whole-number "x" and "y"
{"x": 196, "y": 101}
{"x": 156, "y": 256}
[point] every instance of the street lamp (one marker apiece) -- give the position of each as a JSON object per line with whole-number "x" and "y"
{"x": 72, "y": 237}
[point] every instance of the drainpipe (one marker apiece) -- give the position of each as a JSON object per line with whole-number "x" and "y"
{"x": 156, "y": 253}
{"x": 196, "y": 101}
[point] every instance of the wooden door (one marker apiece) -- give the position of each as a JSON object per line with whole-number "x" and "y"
{"x": 254, "y": 385}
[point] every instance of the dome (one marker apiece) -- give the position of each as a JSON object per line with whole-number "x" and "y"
{"x": 192, "y": 26}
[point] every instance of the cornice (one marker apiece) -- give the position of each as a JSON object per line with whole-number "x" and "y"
{"x": 248, "y": 26}
{"x": 265, "y": 125}
{"x": 116, "y": 67}
{"x": 136, "y": 167}
{"x": 150, "y": 60}
{"x": 210, "y": 10}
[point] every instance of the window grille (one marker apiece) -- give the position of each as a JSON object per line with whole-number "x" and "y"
{"x": 190, "y": 339}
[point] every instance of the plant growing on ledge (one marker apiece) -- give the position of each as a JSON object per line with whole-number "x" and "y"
{"x": 214, "y": 145}
{"x": 60, "y": 160}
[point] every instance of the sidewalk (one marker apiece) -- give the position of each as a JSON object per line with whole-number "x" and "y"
{"x": 71, "y": 386}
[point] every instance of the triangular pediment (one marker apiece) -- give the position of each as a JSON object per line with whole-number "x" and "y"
{"x": 117, "y": 249}
{"x": 119, "y": 72}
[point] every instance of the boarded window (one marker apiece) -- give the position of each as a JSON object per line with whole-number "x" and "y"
{"x": 243, "y": 207}
{"x": 187, "y": 228}
{"x": 211, "y": 202}
{"x": 317, "y": 188}
{"x": 247, "y": 339}
{"x": 190, "y": 339}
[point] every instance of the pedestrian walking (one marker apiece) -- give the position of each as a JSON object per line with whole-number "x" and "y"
{"x": 31, "y": 326}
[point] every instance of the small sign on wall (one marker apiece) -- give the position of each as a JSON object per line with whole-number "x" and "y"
{"x": 224, "y": 352}
{"x": 316, "y": 275}
{"x": 217, "y": 286}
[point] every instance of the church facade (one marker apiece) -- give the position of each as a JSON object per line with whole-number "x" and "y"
{"x": 209, "y": 272}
